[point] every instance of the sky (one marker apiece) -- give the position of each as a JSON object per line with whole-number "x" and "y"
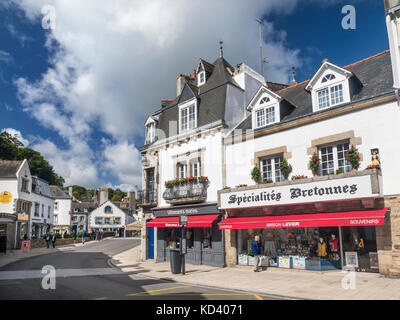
{"x": 80, "y": 92}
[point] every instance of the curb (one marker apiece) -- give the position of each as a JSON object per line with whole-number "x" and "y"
{"x": 167, "y": 279}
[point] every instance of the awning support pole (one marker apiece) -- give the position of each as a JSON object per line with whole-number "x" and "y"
{"x": 341, "y": 247}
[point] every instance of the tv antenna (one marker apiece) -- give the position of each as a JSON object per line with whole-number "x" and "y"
{"x": 262, "y": 59}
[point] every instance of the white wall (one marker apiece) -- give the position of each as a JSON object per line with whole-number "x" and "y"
{"x": 63, "y": 211}
{"x": 99, "y": 212}
{"x": 377, "y": 126}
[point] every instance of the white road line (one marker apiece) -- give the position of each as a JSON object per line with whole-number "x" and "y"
{"x": 34, "y": 274}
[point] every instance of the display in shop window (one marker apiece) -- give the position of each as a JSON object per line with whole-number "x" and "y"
{"x": 351, "y": 259}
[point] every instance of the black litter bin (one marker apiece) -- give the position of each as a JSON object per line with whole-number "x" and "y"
{"x": 176, "y": 261}
{"x": 3, "y": 244}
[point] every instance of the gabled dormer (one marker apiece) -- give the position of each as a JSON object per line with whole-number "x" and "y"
{"x": 151, "y": 125}
{"x": 204, "y": 70}
{"x": 330, "y": 86}
{"x": 267, "y": 108}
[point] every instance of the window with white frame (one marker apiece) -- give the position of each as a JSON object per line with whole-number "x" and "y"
{"x": 330, "y": 96}
{"x": 333, "y": 158}
{"x": 182, "y": 173}
{"x": 196, "y": 169}
{"x": 99, "y": 220}
{"x": 265, "y": 116}
{"x": 56, "y": 205}
{"x": 201, "y": 78}
{"x": 270, "y": 169}
{"x": 151, "y": 133}
{"x": 188, "y": 118}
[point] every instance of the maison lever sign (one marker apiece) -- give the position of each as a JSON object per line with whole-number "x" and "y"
{"x": 337, "y": 189}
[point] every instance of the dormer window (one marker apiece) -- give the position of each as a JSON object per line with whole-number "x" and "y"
{"x": 201, "y": 78}
{"x": 151, "y": 133}
{"x": 187, "y": 117}
{"x": 265, "y": 116}
{"x": 264, "y": 100}
{"x": 330, "y": 86}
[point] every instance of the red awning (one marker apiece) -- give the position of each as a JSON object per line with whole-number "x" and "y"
{"x": 334, "y": 219}
{"x": 193, "y": 221}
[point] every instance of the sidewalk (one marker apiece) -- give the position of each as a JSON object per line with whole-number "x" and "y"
{"x": 300, "y": 284}
{"x": 15, "y": 255}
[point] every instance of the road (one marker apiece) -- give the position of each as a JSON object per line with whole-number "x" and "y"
{"x": 84, "y": 273}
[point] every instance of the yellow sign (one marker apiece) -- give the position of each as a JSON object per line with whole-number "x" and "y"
{"x": 5, "y": 197}
{"x": 23, "y": 217}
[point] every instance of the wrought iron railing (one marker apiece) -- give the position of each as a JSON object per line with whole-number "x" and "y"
{"x": 146, "y": 196}
{"x": 187, "y": 190}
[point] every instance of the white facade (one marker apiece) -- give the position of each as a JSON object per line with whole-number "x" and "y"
{"x": 112, "y": 217}
{"x": 62, "y": 209}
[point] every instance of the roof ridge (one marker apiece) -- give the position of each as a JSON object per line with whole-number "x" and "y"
{"x": 350, "y": 65}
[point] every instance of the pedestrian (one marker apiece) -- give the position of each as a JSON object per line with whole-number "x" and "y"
{"x": 97, "y": 235}
{"x": 83, "y": 237}
{"x": 53, "y": 240}
{"x": 25, "y": 237}
{"x": 255, "y": 248}
{"x": 74, "y": 235}
{"x": 47, "y": 238}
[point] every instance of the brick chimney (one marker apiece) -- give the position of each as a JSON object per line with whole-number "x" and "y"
{"x": 180, "y": 83}
{"x": 103, "y": 195}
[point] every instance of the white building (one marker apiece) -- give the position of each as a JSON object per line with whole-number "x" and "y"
{"x": 26, "y": 205}
{"x": 112, "y": 216}
{"x": 62, "y": 210}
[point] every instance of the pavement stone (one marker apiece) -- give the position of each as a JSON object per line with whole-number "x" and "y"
{"x": 300, "y": 284}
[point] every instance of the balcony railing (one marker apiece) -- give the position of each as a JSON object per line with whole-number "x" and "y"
{"x": 146, "y": 198}
{"x": 190, "y": 192}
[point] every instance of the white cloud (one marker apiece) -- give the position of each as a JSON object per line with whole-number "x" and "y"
{"x": 116, "y": 60}
{"x": 17, "y": 134}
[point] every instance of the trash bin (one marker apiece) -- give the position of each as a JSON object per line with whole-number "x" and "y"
{"x": 176, "y": 261}
{"x": 3, "y": 244}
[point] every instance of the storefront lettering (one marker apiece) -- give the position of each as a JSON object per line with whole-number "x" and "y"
{"x": 364, "y": 222}
{"x": 262, "y": 196}
{"x": 297, "y": 192}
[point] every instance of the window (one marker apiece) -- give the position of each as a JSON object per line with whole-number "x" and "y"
{"x": 182, "y": 170}
{"x": 188, "y": 118}
{"x": 99, "y": 220}
{"x": 328, "y": 77}
{"x": 42, "y": 210}
{"x": 55, "y": 219}
{"x": 151, "y": 133}
{"x": 196, "y": 169}
{"x": 207, "y": 238}
{"x": 117, "y": 221}
{"x": 189, "y": 238}
{"x": 76, "y": 209}
{"x": 333, "y": 158}
{"x": 108, "y": 209}
{"x": 264, "y": 100}
{"x": 24, "y": 185}
{"x": 265, "y": 116}
{"x": 37, "y": 208}
{"x": 330, "y": 96}
{"x": 107, "y": 220}
{"x": 56, "y": 205}
{"x": 48, "y": 211}
{"x": 270, "y": 169}
{"x": 202, "y": 78}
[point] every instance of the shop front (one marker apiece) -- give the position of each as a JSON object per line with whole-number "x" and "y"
{"x": 330, "y": 224}
{"x": 204, "y": 240}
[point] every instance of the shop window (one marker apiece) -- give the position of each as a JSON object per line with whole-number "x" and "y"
{"x": 117, "y": 221}
{"x": 99, "y": 220}
{"x": 107, "y": 221}
{"x": 333, "y": 159}
{"x": 270, "y": 169}
{"x": 207, "y": 238}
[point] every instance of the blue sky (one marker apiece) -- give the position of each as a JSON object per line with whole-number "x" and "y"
{"x": 80, "y": 93}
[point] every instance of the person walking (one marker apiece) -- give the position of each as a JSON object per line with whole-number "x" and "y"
{"x": 53, "y": 240}
{"x": 47, "y": 238}
{"x": 255, "y": 248}
{"x": 83, "y": 237}
{"x": 74, "y": 235}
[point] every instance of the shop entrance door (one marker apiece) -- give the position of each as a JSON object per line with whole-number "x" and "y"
{"x": 150, "y": 243}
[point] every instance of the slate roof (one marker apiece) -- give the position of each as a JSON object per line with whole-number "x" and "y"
{"x": 57, "y": 193}
{"x": 374, "y": 73}
{"x": 8, "y": 168}
{"x": 211, "y": 97}
{"x": 82, "y": 205}
{"x": 40, "y": 186}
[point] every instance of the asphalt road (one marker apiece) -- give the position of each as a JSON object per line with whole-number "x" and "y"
{"x": 84, "y": 273}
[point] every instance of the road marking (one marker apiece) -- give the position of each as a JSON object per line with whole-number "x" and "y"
{"x": 34, "y": 274}
{"x": 201, "y": 294}
{"x": 146, "y": 292}
{"x": 258, "y": 297}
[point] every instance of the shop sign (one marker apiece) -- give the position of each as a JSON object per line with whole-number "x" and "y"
{"x": 299, "y": 262}
{"x": 23, "y": 217}
{"x": 5, "y": 197}
{"x": 337, "y": 189}
{"x": 188, "y": 211}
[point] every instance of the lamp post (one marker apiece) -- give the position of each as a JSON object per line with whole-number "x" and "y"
{"x": 183, "y": 223}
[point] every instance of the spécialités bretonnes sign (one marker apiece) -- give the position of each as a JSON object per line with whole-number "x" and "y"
{"x": 337, "y": 189}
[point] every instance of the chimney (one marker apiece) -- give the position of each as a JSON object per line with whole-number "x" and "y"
{"x": 194, "y": 73}
{"x": 103, "y": 195}
{"x": 131, "y": 200}
{"x": 70, "y": 191}
{"x": 392, "y": 10}
{"x": 180, "y": 83}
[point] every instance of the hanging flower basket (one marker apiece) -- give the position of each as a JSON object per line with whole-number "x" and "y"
{"x": 286, "y": 168}
{"x": 352, "y": 155}
{"x": 255, "y": 174}
{"x": 314, "y": 164}
{"x": 373, "y": 166}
